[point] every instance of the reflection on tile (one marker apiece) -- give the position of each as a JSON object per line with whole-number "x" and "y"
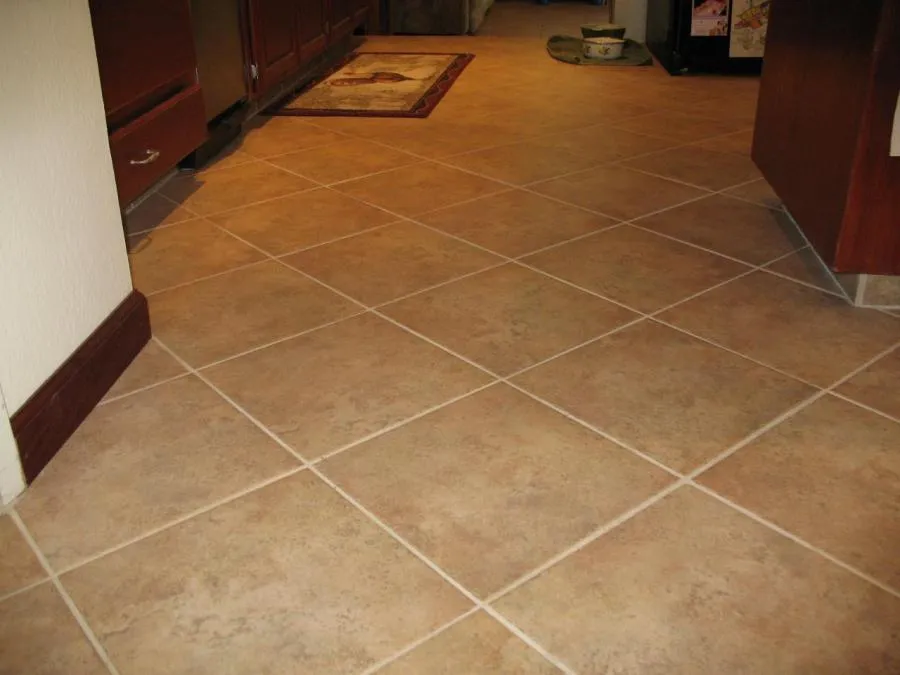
{"x": 878, "y": 386}
{"x": 287, "y": 579}
{"x": 492, "y": 486}
{"x": 18, "y": 565}
{"x": 731, "y": 227}
{"x": 691, "y": 586}
{"x": 516, "y": 222}
{"x": 343, "y": 160}
{"x": 804, "y": 265}
{"x": 618, "y": 192}
{"x": 141, "y": 461}
{"x": 509, "y": 317}
{"x": 354, "y": 378}
{"x": 40, "y": 637}
{"x": 155, "y": 211}
{"x": 831, "y": 475}
{"x": 477, "y": 645}
{"x": 418, "y": 188}
{"x": 698, "y": 166}
{"x": 231, "y": 313}
{"x": 217, "y": 191}
{"x": 384, "y": 264}
{"x": 302, "y": 220}
{"x": 678, "y": 399}
{"x": 152, "y": 365}
{"x": 637, "y": 268}
{"x": 810, "y": 334}
{"x": 177, "y": 255}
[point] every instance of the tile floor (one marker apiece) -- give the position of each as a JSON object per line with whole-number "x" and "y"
{"x": 545, "y": 383}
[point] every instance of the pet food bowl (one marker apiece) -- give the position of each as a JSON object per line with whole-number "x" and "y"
{"x": 603, "y": 48}
{"x": 595, "y": 30}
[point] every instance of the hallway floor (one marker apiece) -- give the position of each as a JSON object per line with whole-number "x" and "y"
{"x": 545, "y": 383}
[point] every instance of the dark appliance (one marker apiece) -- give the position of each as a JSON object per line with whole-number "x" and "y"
{"x": 719, "y": 36}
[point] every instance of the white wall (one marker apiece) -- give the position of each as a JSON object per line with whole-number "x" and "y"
{"x": 11, "y": 480}
{"x": 63, "y": 265}
{"x": 633, "y": 15}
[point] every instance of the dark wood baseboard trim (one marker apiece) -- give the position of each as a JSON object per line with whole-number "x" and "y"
{"x": 58, "y": 408}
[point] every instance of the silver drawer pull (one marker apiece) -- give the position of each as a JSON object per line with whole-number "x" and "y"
{"x": 152, "y": 156}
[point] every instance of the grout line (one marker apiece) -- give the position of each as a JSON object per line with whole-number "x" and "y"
{"x": 212, "y": 214}
{"x": 794, "y": 538}
{"x": 585, "y": 541}
{"x": 208, "y": 276}
{"x": 142, "y": 389}
{"x": 326, "y": 242}
{"x": 259, "y": 485}
{"x": 835, "y": 292}
{"x": 380, "y": 305}
{"x": 26, "y": 588}
{"x": 859, "y": 404}
{"x": 418, "y": 643}
{"x": 719, "y": 254}
{"x": 66, "y": 598}
{"x": 479, "y": 604}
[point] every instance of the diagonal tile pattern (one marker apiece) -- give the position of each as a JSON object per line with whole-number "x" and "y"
{"x": 445, "y": 519}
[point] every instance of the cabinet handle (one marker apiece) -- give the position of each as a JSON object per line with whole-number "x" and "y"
{"x": 152, "y": 156}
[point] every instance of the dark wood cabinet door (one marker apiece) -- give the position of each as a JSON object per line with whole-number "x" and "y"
{"x": 145, "y": 52}
{"x": 314, "y": 27}
{"x": 342, "y": 15}
{"x": 275, "y": 34}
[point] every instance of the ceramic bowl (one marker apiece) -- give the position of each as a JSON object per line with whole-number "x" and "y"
{"x": 603, "y": 48}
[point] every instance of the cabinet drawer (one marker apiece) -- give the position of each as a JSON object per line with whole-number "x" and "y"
{"x": 145, "y": 149}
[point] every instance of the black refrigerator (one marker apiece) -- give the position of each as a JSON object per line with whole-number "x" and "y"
{"x": 719, "y": 36}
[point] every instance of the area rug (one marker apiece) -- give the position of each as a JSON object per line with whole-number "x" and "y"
{"x": 379, "y": 85}
{"x": 568, "y": 49}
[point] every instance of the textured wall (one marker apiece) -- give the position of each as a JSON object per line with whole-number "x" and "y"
{"x": 63, "y": 265}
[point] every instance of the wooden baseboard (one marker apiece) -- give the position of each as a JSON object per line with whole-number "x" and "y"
{"x": 58, "y": 408}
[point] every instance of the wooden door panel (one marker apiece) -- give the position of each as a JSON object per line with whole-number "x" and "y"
{"x": 314, "y": 26}
{"x": 274, "y": 28}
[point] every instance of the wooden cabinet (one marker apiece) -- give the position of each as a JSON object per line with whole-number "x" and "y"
{"x": 288, "y": 34}
{"x": 153, "y": 103}
{"x": 826, "y": 111}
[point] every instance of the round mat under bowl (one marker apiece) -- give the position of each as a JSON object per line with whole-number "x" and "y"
{"x": 568, "y": 49}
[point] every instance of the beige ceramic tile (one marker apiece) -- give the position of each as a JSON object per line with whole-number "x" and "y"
{"x": 18, "y": 565}
{"x": 699, "y": 166}
{"x": 384, "y": 264}
{"x": 140, "y": 462}
{"x": 746, "y": 231}
{"x": 739, "y": 143}
{"x": 418, "y": 188}
{"x": 270, "y": 136}
{"x": 804, "y": 265}
{"x": 808, "y": 333}
{"x": 39, "y": 636}
{"x": 680, "y": 127}
{"x": 758, "y": 191}
{"x": 177, "y": 255}
{"x": 225, "y": 189}
{"x": 637, "y": 268}
{"x": 344, "y": 160}
{"x": 151, "y": 366}
{"x": 525, "y": 162}
{"x": 678, "y": 399}
{"x": 229, "y": 156}
{"x": 493, "y": 485}
{"x": 691, "y": 587}
{"x": 516, "y": 222}
{"x": 302, "y": 220}
{"x": 878, "y": 386}
{"x": 155, "y": 211}
{"x": 231, "y": 313}
{"x": 358, "y": 377}
{"x": 288, "y": 579}
{"x": 508, "y": 318}
{"x": 605, "y": 144}
{"x": 618, "y": 192}
{"x": 477, "y": 645}
{"x": 830, "y": 474}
